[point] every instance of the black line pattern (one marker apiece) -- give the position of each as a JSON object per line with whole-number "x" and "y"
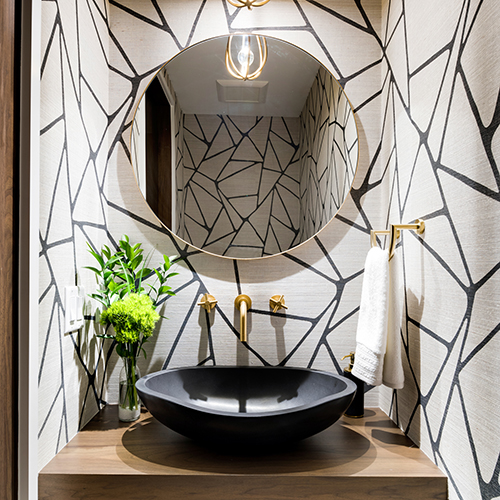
{"x": 449, "y": 118}
{"x": 426, "y": 93}
{"x": 329, "y": 154}
{"x": 241, "y": 184}
{"x": 257, "y": 186}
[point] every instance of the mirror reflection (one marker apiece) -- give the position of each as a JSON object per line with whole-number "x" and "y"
{"x": 244, "y": 168}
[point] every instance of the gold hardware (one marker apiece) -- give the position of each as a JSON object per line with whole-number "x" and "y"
{"x": 243, "y": 303}
{"x": 351, "y": 361}
{"x": 208, "y": 302}
{"x": 395, "y": 233}
{"x": 277, "y": 302}
{"x": 247, "y": 3}
{"x": 247, "y": 57}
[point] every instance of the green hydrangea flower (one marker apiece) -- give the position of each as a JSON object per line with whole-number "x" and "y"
{"x": 131, "y": 316}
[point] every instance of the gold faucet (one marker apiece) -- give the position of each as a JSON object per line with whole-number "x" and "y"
{"x": 243, "y": 303}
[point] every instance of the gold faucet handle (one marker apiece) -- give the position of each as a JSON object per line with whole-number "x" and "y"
{"x": 277, "y": 302}
{"x": 208, "y": 302}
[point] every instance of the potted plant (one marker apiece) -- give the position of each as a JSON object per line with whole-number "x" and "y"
{"x": 130, "y": 301}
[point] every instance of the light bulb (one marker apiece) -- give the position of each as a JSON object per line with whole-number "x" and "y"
{"x": 245, "y": 56}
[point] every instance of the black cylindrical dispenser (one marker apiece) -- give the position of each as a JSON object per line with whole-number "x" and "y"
{"x": 357, "y": 408}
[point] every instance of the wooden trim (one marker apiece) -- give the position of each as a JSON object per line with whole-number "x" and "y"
{"x": 8, "y": 160}
{"x": 105, "y": 487}
{"x": 158, "y": 153}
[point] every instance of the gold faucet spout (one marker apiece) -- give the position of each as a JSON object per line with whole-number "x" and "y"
{"x": 243, "y": 303}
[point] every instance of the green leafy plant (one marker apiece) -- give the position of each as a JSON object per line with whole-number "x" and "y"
{"x": 129, "y": 292}
{"x": 124, "y": 271}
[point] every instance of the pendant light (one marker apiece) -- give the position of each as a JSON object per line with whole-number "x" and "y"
{"x": 247, "y": 3}
{"x": 241, "y": 61}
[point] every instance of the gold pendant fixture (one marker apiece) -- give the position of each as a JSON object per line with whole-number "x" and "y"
{"x": 240, "y": 58}
{"x": 247, "y": 3}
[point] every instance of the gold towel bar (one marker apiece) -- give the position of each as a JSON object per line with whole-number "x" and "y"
{"x": 394, "y": 232}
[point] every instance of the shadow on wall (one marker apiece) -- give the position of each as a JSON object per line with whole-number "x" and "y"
{"x": 96, "y": 353}
{"x": 409, "y": 399}
{"x": 278, "y": 322}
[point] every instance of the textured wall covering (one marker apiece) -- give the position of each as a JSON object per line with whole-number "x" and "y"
{"x": 95, "y": 198}
{"x": 73, "y": 209}
{"x": 423, "y": 79}
{"x": 441, "y": 117}
{"x": 328, "y": 153}
{"x": 241, "y": 184}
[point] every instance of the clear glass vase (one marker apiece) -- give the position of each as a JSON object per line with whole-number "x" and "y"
{"x": 129, "y": 408}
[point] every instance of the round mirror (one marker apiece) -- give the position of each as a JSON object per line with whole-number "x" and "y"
{"x": 244, "y": 168}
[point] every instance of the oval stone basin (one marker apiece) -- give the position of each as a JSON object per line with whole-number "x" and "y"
{"x": 246, "y": 405}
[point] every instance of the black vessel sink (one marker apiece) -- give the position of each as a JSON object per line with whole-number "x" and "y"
{"x": 252, "y": 406}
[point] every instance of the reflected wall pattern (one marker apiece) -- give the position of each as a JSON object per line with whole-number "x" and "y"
{"x": 424, "y": 84}
{"x": 328, "y": 153}
{"x": 241, "y": 184}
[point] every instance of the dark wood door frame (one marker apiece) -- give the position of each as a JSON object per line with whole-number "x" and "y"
{"x": 9, "y": 158}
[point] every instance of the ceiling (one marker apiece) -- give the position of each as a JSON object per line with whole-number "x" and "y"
{"x": 289, "y": 70}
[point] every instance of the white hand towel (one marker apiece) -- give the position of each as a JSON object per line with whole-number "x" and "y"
{"x": 371, "y": 335}
{"x": 393, "y": 375}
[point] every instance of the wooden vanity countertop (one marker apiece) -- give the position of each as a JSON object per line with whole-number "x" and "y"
{"x": 354, "y": 459}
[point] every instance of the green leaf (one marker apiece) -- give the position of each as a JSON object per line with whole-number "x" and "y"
{"x": 104, "y": 336}
{"x": 125, "y": 245}
{"x": 136, "y": 261}
{"x": 93, "y": 269}
{"x": 111, "y": 262}
{"x": 146, "y": 271}
{"x": 97, "y": 256}
{"x": 106, "y": 251}
{"x": 164, "y": 289}
{"x": 99, "y": 299}
{"x": 118, "y": 289}
{"x": 172, "y": 275}
{"x": 120, "y": 351}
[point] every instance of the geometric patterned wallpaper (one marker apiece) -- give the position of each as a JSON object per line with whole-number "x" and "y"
{"x": 244, "y": 180}
{"x": 94, "y": 70}
{"x": 423, "y": 79}
{"x": 441, "y": 118}
{"x": 328, "y": 153}
{"x": 241, "y": 190}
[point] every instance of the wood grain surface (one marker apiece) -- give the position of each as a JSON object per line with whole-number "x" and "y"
{"x": 8, "y": 136}
{"x": 353, "y": 459}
